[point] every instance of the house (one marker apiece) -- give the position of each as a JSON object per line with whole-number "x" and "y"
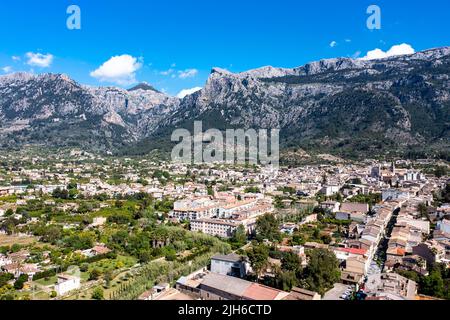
{"x": 67, "y": 283}
{"x": 355, "y": 230}
{"x": 4, "y": 260}
{"x": 221, "y": 287}
{"x": 444, "y": 226}
{"x": 357, "y": 264}
{"x": 394, "y": 194}
{"x": 12, "y": 268}
{"x": 432, "y": 251}
{"x": 330, "y": 190}
{"x": 310, "y": 219}
{"x": 288, "y": 228}
{"x": 342, "y": 216}
{"x": 315, "y": 245}
{"x": 231, "y": 265}
{"x": 333, "y": 206}
{"x": 30, "y": 270}
{"x": 302, "y": 294}
{"x": 351, "y": 207}
{"x": 354, "y": 216}
{"x": 97, "y": 250}
{"x": 423, "y": 226}
{"x": 298, "y": 250}
{"x": 343, "y": 254}
{"x": 154, "y": 292}
{"x": 408, "y": 263}
{"x": 98, "y": 222}
{"x": 100, "y": 250}
{"x": 390, "y": 286}
{"x": 19, "y": 257}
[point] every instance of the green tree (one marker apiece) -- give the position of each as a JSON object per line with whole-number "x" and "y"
{"x": 286, "y": 280}
{"x": 18, "y": 285}
{"x": 291, "y": 262}
{"x": 240, "y": 235}
{"x": 98, "y": 294}
{"x": 267, "y": 227}
{"x": 108, "y": 278}
{"x": 440, "y": 171}
{"x": 59, "y": 193}
{"x": 322, "y": 271}
{"x": 259, "y": 258}
{"x": 433, "y": 285}
{"x": 95, "y": 274}
{"x": 252, "y": 190}
{"x": 84, "y": 267}
{"x": 4, "y": 278}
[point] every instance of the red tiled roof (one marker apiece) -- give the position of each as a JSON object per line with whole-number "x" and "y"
{"x": 396, "y": 251}
{"x": 259, "y": 292}
{"x": 353, "y": 250}
{"x": 101, "y": 249}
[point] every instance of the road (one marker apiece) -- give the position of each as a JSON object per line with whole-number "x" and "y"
{"x": 380, "y": 254}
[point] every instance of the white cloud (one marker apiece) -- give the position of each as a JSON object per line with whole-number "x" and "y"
{"x": 167, "y": 72}
{"x": 348, "y": 40}
{"x": 120, "y": 70}
{"x": 39, "y": 59}
{"x": 182, "y": 74}
{"x": 397, "y": 50}
{"x": 186, "y": 92}
{"x": 7, "y": 69}
{"x": 333, "y": 44}
{"x": 188, "y": 73}
{"x": 16, "y": 58}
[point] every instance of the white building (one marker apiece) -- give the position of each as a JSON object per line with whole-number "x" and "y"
{"x": 393, "y": 194}
{"x": 194, "y": 209}
{"x": 330, "y": 190}
{"x": 67, "y": 283}
{"x": 444, "y": 226}
{"x": 333, "y": 206}
{"x": 99, "y": 221}
{"x": 214, "y": 227}
{"x": 230, "y": 265}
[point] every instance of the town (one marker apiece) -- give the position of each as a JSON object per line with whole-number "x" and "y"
{"x": 74, "y": 225}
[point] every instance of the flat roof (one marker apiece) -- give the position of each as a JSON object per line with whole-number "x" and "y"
{"x": 228, "y": 258}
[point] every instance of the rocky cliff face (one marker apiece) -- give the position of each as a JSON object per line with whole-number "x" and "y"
{"x": 343, "y": 106}
{"x": 55, "y": 110}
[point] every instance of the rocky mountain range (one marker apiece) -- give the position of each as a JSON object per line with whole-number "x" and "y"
{"x": 341, "y": 106}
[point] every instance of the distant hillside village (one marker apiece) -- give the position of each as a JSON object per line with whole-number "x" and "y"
{"x": 133, "y": 228}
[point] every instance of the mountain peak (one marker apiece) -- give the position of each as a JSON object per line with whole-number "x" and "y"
{"x": 220, "y": 71}
{"x": 143, "y": 86}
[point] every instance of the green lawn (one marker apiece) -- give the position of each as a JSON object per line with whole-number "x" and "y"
{"x": 47, "y": 281}
{"x": 41, "y": 295}
{"x": 110, "y": 265}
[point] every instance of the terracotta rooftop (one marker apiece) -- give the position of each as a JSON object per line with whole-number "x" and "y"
{"x": 259, "y": 292}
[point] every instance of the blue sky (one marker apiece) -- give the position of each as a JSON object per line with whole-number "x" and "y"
{"x": 173, "y": 44}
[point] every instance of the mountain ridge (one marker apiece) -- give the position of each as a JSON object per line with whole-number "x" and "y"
{"x": 341, "y": 105}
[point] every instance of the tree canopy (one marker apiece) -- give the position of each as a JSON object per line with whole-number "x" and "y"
{"x": 267, "y": 227}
